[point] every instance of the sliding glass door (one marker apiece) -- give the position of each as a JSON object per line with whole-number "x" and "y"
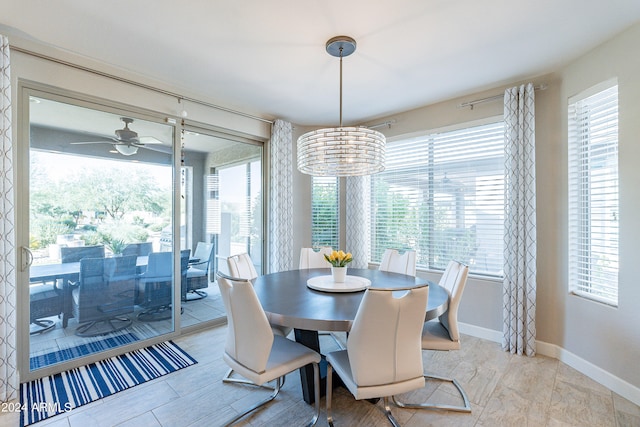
{"x": 222, "y": 213}
{"x": 124, "y": 231}
{"x": 100, "y": 214}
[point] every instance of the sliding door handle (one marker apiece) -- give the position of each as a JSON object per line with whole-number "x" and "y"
{"x": 26, "y": 259}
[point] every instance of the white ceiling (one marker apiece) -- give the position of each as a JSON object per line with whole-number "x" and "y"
{"x": 268, "y": 57}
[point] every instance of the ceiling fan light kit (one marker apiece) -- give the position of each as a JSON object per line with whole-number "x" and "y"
{"x": 126, "y": 150}
{"x": 341, "y": 151}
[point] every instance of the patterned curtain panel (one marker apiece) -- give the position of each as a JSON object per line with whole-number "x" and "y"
{"x": 281, "y": 199}
{"x": 358, "y": 221}
{"x": 9, "y": 381}
{"x": 519, "y": 286}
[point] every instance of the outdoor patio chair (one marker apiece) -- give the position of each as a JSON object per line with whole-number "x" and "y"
{"x": 75, "y": 254}
{"x": 138, "y": 249}
{"x": 45, "y": 300}
{"x": 104, "y": 295}
{"x": 155, "y": 285}
{"x": 198, "y": 272}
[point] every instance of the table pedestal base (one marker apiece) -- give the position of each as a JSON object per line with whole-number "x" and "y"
{"x": 310, "y": 339}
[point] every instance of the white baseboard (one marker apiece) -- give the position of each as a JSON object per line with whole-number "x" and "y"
{"x": 607, "y": 379}
{"x": 480, "y": 332}
{"x": 612, "y": 382}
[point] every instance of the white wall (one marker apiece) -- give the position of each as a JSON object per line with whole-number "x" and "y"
{"x": 601, "y": 341}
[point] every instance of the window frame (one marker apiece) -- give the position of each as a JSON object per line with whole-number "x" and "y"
{"x": 493, "y": 161}
{"x": 588, "y": 165}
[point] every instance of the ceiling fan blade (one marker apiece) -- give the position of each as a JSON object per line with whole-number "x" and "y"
{"x": 91, "y": 142}
{"x": 148, "y": 140}
{"x": 159, "y": 148}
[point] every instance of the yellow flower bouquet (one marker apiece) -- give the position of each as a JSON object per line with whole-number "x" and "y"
{"x": 339, "y": 258}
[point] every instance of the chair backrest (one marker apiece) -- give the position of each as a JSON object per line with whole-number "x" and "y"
{"x": 453, "y": 280}
{"x": 138, "y": 249}
{"x": 395, "y": 262}
{"x": 159, "y": 267}
{"x": 75, "y": 254}
{"x": 120, "y": 268}
{"x": 309, "y": 258}
{"x": 384, "y": 344}
{"x": 241, "y": 267}
{"x": 249, "y": 335}
{"x": 204, "y": 252}
{"x": 120, "y": 275}
{"x": 92, "y": 290}
{"x": 91, "y": 273}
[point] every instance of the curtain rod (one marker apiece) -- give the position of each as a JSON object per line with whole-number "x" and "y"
{"x": 138, "y": 84}
{"x": 492, "y": 98}
{"x": 388, "y": 123}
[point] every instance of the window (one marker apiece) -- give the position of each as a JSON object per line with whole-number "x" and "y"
{"x": 240, "y": 201}
{"x": 593, "y": 193}
{"x": 442, "y": 195}
{"x": 325, "y": 206}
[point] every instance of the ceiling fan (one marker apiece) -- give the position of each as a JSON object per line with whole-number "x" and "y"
{"x": 127, "y": 141}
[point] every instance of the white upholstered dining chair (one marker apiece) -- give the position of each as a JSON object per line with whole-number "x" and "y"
{"x": 383, "y": 355}
{"x": 396, "y": 262}
{"x": 252, "y": 349}
{"x": 241, "y": 266}
{"x": 443, "y": 334}
{"x": 309, "y": 258}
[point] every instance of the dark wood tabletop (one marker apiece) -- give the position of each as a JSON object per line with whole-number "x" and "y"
{"x": 288, "y": 301}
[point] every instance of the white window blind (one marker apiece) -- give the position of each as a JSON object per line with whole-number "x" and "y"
{"x": 442, "y": 195}
{"x": 212, "y": 188}
{"x": 593, "y": 194}
{"x": 325, "y": 207}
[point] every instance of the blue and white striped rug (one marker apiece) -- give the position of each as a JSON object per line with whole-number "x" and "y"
{"x": 58, "y": 393}
{"x": 43, "y": 360}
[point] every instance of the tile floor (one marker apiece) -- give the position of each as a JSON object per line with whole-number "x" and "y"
{"x": 505, "y": 390}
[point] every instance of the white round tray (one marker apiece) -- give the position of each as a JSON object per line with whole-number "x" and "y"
{"x": 326, "y": 284}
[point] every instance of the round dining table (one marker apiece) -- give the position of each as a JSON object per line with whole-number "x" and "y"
{"x": 289, "y": 302}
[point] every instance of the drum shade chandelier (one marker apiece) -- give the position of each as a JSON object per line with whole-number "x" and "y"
{"x": 341, "y": 151}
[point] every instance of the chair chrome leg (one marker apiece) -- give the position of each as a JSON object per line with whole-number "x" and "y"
{"x": 328, "y": 394}
{"x": 465, "y": 408}
{"x": 316, "y": 391}
{"x": 229, "y": 379}
{"x": 256, "y": 406}
{"x": 387, "y": 412}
